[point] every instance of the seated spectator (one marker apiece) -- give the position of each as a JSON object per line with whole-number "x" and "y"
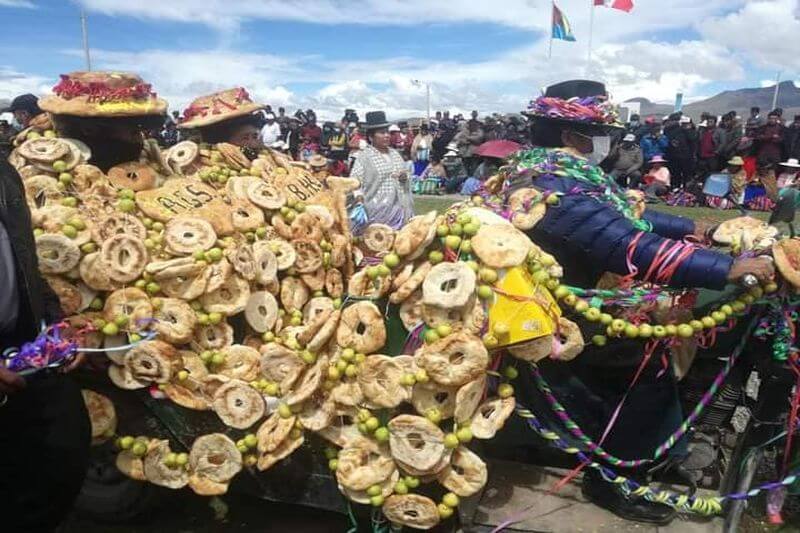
{"x": 657, "y": 181}
{"x": 789, "y": 171}
{"x": 455, "y": 172}
{"x": 738, "y": 177}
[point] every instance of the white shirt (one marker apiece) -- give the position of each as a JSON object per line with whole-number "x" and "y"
{"x": 270, "y": 133}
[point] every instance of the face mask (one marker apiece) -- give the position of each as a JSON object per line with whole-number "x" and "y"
{"x": 601, "y": 146}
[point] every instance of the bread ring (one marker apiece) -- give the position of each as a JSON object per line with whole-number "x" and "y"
{"x": 122, "y": 377}
{"x": 306, "y": 227}
{"x": 57, "y": 254}
{"x": 362, "y": 328}
{"x": 360, "y": 468}
{"x": 173, "y": 268}
{"x": 411, "y": 311}
{"x": 280, "y": 226}
{"x": 527, "y": 208}
{"x": 185, "y": 397}
{"x": 241, "y": 362}
{"x": 340, "y": 250}
{"x": 379, "y": 380}
{"x": 378, "y": 238}
{"x": 309, "y": 382}
{"x": 181, "y": 155}
{"x": 102, "y": 415}
{"x": 316, "y": 306}
{"x": 411, "y": 510}
{"x": 415, "y": 236}
{"x": 233, "y": 155}
{"x": 401, "y": 277}
{"x": 131, "y": 465}
{"x": 215, "y": 457}
{"x": 186, "y": 235}
{"x": 125, "y": 256}
{"x": 449, "y": 285}
{"x": 246, "y": 217}
{"x": 568, "y": 341}
{"x": 466, "y": 475}
{"x": 313, "y": 325}
{"x": 116, "y": 224}
{"x": 501, "y": 245}
{"x": 243, "y": 261}
{"x": 43, "y": 150}
{"x": 281, "y": 365}
{"x": 533, "y": 350}
{"x": 230, "y": 299}
{"x": 273, "y": 431}
{"x": 238, "y": 404}
{"x": 284, "y": 253}
{"x": 362, "y": 497}
{"x": 237, "y": 186}
{"x": 129, "y": 302}
{"x": 468, "y": 398}
{"x": 266, "y": 195}
{"x": 334, "y": 284}
{"x": 175, "y": 321}
{"x": 427, "y": 396}
{"x": 157, "y": 472}
{"x": 68, "y": 295}
{"x": 322, "y": 214}
{"x": 361, "y": 286}
{"x": 212, "y": 337}
{"x": 294, "y": 293}
{"x": 42, "y": 191}
{"x": 186, "y": 287}
{"x": 134, "y": 175}
{"x": 285, "y": 449}
{"x": 325, "y": 333}
{"x": 315, "y": 281}
{"x": 308, "y": 256}
{"x": 318, "y": 413}
{"x": 261, "y": 311}
{"x": 413, "y": 283}
{"x": 153, "y": 362}
{"x": 455, "y": 359}
{"x": 491, "y": 416}
{"x": 416, "y": 441}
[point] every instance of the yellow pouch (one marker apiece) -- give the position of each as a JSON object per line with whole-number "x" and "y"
{"x": 525, "y": 308}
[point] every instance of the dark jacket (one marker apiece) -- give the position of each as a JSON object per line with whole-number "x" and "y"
{"x": 791, "y": 140}
{"x": 680, "y": 145}
{"x": 589, "y": 238}
{"x": 38, "y": 302}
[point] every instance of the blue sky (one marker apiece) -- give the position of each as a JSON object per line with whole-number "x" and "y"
{"x": 332, "y": 54}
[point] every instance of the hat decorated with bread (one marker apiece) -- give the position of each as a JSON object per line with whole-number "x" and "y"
{"x": 103, "y": 94}
{"x": 218, "y": 107}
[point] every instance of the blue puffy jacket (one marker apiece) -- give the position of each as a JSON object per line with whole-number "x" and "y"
{"x": 653, "y": 146}
{"x": 589, "y": 238}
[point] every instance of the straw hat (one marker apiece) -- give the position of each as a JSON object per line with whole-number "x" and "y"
{"x": 103, "y": 94}
{"x": 218, "y": 107}
{"x": 736, "y": 161}
{"x": 318, "y": 161}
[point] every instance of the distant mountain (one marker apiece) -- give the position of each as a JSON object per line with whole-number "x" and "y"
{"x": 740, "y": 100}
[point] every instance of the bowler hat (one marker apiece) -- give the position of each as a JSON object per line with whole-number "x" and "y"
{"x": 376, "y": 120}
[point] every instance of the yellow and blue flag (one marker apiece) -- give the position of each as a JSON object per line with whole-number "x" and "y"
{"x": 562, "y": 29}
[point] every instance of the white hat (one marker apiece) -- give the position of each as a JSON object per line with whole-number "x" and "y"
{"x": 352, "y": 125}
{"x": 629, "y": 137}
{"x": 685, "y": 119}
{"x": 451, "y": 153}
{"x": 451, "y": 147}
{"x": 792, "y": 162}
{"x": 394, "y": 127}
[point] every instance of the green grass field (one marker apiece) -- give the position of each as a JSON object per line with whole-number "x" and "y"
{"x": 424, "y": 203}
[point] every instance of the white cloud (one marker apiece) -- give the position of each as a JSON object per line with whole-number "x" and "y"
{"x": 13, "y": 83}
{"x": 26, "y": 4}
{"x": 771, "y": 28}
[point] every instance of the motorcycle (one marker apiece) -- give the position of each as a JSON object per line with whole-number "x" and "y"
{"x": 728, "y": 440}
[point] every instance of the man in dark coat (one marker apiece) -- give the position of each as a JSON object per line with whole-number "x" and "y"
{"x": 791, "y": 139}
{"x": 680, "y": 151}
{"x": 44, "y": 427}
{"x": 589, "y": 237}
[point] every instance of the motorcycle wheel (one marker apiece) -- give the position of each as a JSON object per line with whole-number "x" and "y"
{"x": 108, "y": 495}
{"x": 741, "y": 483}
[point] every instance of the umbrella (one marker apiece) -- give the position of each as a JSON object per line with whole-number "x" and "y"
{"x": 499, "y": 149}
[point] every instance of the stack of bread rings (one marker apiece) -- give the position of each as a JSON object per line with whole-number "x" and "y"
{"x": 268, "y": 314}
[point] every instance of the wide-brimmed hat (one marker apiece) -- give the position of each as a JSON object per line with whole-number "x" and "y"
{"x": 582, "y": 103}
{"x": 376, "y": 120}
{"x": 791, "y": 162}
{"x": 318, "y": 161}
{"x": 629, "y": 137}
{"x": 218, "y": 107}
{"x": 657, "y": 159}
{"x": 103, "y": 94}
{"x": 736, "y": 161}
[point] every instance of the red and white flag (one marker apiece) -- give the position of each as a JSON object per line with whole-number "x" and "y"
{"x": 622, "y": 5}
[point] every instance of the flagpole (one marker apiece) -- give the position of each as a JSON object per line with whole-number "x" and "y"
{"x": 591, "y": 34}
{"x": 552, "y": 18}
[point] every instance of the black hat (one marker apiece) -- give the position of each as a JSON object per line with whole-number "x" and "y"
{"x": 576, "y": 88}
{"x": 376, "y": 120}
{"x": 24, "y": 102}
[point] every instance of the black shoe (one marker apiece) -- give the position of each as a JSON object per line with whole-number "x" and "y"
{"x": 610, "y": 497}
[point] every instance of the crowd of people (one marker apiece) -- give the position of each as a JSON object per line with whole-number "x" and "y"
{"x": 760, "y": 155}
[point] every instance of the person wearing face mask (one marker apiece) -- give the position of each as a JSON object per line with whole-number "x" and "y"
{"x": 228, "y": 116}
{"x": 590, "y": 231}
